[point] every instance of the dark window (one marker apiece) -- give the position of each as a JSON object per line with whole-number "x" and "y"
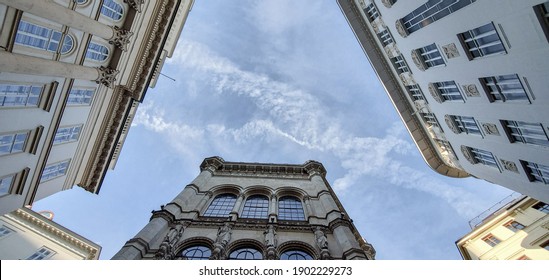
{"x": 466, "y": 124}
{"x": 431, "y": 56}
{"x": 256, "y": 206}
{"x": 514, "y": 226}
{"x": 536, "y": 172}
{"x": 245, "y": 254}
{"x": 400, "y": 64}
{"x": 295, "y": 255}
{"x": 430, "y": 12}
{"x": 481, "y": 41}
{"x": 290, "y": 208}
{"x": 491, "y": 240}
{"x": 221, "y": 206}
{"x": 541, "y": 206}
{"x": 504, "y": 88}
{"x": 525, "y": 132}
{"x": 415, "y": 92}
{"x": 542, "y": 12}
{"x": 196, "y": 253}
{"x": 371, "y": 12}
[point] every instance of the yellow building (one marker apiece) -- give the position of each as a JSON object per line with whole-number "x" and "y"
{"x": 517, "y": 231}
{"x": 73, "y": 73}
{"x": 27, "y": 235}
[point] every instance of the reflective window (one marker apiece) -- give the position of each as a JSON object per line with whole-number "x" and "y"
{"x": 504, "y": 88}
{"x": 256, "y": 206}
{"x": 526, "y": 132}
{"x": 449, "y": 91}
{"x": 295, "y": 255}
{"x": 13, "y": 142}
{"x": 40, "y": 37}
{"x": 13, "y": 95}
{"x": 484, "y": 157}
{"x": 430, "y": 119}
{"x": 196, "y": 253}
{"x": 55, "y": 170}
{"x": 514, "y": 226}
{"x": 290, "y": 208}
{"x": 466, "y": 124}
{"x": 430, "y": 12}
{"x": 542, "y": 13}
{"x": 491, "y": 240}
{"x": 371, "y": 12}
{"x": 221, "y": 206}
{"x": 482, "y": 41}
{"x": 542, "y": 206}
{"x": 536, "y": 172}
{"x": 97, "y": 52}
{"x": 431, "y": 56}
{"x": 42, "y": 253}
{"x": 80, "y": 96}
{"x": 67, "y": 134}
{"x": 400, "y": 64}
{"x": 5, "y": 231}
{"x": 415, "y": 92}
{"x": 112, "y": 9}
{"x": 385, "y": 37}
{"x": 5, "y": 184}
{"x": 245, "y": 254}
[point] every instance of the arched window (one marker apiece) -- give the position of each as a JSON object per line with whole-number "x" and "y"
{"x": 197, "y": 252}
{"x": 97, "y": 52}
{"x": 295, "y": 255}
{"x": 245, "y": 254}
{"x": 112, "y": 9}
{"x": 256, "y": 206}
{"x": 290, "y": 208}
{"x": 221, "y": 206}
{"x": 44, "y": 38}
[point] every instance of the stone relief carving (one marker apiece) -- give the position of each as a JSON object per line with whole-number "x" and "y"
{"x": 370, "y": 251}
{"x": 490, "y": 128}
{"x": 270, "y": 237}
{"x": 450, "y": 50}
{"x": 322, "y": 243}
{"x": 387, "y": 3}
{"x": 165, "y": 250}
{"x": 451, "y": 124}
{"x": 434, "y": 92}
{"x": 362, "y": 4}
{"x": 121, "y": 38}
{"x": 418, "y": 60}
{"x": 135, "y": 4}
{"x": 400, "y": 28}
{"x": 467, "y": 153}
{"x": 107, "y": 76}
{"x": 509, "y": 165}
{"x": 223, "y": 237}
{"x": 471, "y": 90}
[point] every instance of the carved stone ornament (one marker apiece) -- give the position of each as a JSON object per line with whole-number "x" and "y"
{"x": 121, "y": 38}
{"x": 387, "y": 3}
{"x": 509, "y": 165}
{"x": 433, "y": 90}
{"x": 223, "y": 237}
{"x": 451, "y": 124}
{"x": 490, "y": 128}
{"x": 107, "y": 76}
{"x": 418, "y": 60}
{"x": 375, "y": 26}
{"x": 471, "y": 90}
{"x": 450, "y": 50}
{"x": 135, "y": 4}
{"x": 270, "y": 237}
{"x": 400, "y": 28}
{"x": 468, "y": 155}
{"x": 370, "y": 251}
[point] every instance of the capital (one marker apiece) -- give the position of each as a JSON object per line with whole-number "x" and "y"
{"x": 121, "y": 38}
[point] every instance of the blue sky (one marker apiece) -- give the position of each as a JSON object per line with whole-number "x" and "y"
{"x": 278, "y": 82}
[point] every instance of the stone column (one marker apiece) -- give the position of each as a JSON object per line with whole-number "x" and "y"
{"x": 49, "y": 10}
{"x": 237, "y": 205}
{"x": 23, "y": 64}
{"x": 274, "y": 209}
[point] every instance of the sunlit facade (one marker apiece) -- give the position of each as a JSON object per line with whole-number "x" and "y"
{"x": 73, "y": 73}
{"x": 519, "y": 230}
{"x": 469, "y": 80}
{"x": 238, "y": 210}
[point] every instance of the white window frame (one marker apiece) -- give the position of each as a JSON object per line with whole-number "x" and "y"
{"x": 479, "y": 48}
{"x": 17, "y": 143}
{"x": 113, "y": 10}
{"x": 20, "y": 95}
{"x": 67, "y": 134}
{"x": 431, "y": 56}
{"x": 97, "y": 52}
{"x": 449, "y": 91}
{"x": 484, "y": 157}
{"x": 526, "y": 132}
{"x": 417, "y": 19}
{"x": 504, "y": 88}
{"x": 80, "y": 96}
{"x": 467, "y": 125}
{"x": 55, "y": 170}
{"x": 41, "y": 254}
{"x": 43, "y": 38}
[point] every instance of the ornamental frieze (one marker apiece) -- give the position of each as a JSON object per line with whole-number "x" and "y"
{"x": 509, "y": 165}
{"x": 490, "y": 128}
{"x": 450, "y": 50}
{"x": 471, "y": 90}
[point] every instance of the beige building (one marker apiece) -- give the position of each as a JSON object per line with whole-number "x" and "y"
{"x": 72, "y": 75}
{"x": 238, "y": 210}
{"x": 519, "y": 230}
{"x": 469, "y": 80}
{"x": 27, "y": 235}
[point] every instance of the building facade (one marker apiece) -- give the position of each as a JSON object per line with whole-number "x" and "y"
{"x": 517, "y": 231}
{"x": 237, "y": 210}
{"x": 73, "y": 73}
{"x": 469, "y": 80}
{"x": 27, "y": 235}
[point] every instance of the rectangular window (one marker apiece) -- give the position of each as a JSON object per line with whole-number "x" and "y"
{"x": 466, "y": 124}
{"x": 385, "y": 37}
{"x": 430, "y": 119}
{"x": 55, "y": 170}
{"x": 481, "y": 41}
{"x": 5, "y": 184}
{"x": 449, "y": 91}
{"x": 4, "y": 231}
{"x": 371, "y": 12}
{"x": 484, "y": 157}
{"x": 400, "y": 64}
{"x": 78, "y": 96}
{"x": 431, "y": 56}
{"x": 67, "y": 134}
{"x": 541, "y": 206}
{"x": 514, "y": 226}
{"x": 525, "y": 132}
{"x": 13, "y": 143}
{"x": 491, "y": 240}
{"x": 430, "y": 12}
{"x": 504, "y": 88}
{"x": 545, "y": 245}
{"x": 415, "y": 92}
{"x": 542, "y": 12}
{"x": 536, "y": 172}
{"x": 42, "y": 253}
{"x": 32, "y": 35}
{"x": 13, "y": 95}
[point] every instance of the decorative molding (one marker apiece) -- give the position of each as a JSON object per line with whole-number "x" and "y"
{"x": 362, "y": 4}
{"x": 418, "y": 60}
{"x": 471, "y": 90}
{"x": 387, "y": 3}
{"x": 121, "y": 38}
{"x": 370, "y": 251}
{"x": 490, "y": 128}
{"x": 107, "y": 76}
{"x": 135, "y": 4}
{"x": 450, "y": 50}
{"x": 468, "y": 155}
{"x": 433, "y": 90}
{"x": 509, "y": 165}
{"x": 400, "y": 28}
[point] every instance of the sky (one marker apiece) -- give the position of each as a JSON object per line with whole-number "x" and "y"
{"x": 278, "y": 82}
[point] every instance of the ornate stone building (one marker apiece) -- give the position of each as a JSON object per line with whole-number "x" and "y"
{"x": 237, "y": 210}
{"x": 469, "y": 81}
{"x": 73, "y": 73}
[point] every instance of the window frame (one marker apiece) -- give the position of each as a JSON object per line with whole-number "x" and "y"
{"x": 514, "y": 226}
{"x": 256, "y": 208}
{"x": 196, "y": 248}
{"x": 285, "y": 255}
{"x": 40, "y": 37}
{"x": 467, "y": 125}
{"x": 536, "y": 172}
{"x": 471, "y": 36}
{"x": 220, "y": 206}
{"x": 56, "y": 167}
{"x": 504, "y": 88}
{"x": 525, "y": 132}
{"x": 371, "y": 11}
{"x": 542, "y": 207}
{"x": 245, "y": 251}
{"x": 290, "y": 213}
{"x": 400, "y": 65}
{"x": 484, "y": 157}
{"x": 67, "y": 134}
{"x": 99, "y": 55}
{"x": 542, "y": 13}
{"x": 43, "y": 253}
{"x": 430, "y": 57}
{"x": 112, "y": 13}
{"x": 491, "y": 240}
{"x": 80, "y": 96}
